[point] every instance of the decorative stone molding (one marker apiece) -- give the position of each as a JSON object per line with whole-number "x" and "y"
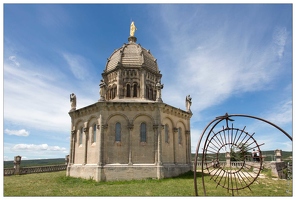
{"x": 143, "y": 143}
{"x": 118, "y": 143}
{"x": 130, "y": 127}
{"x": 105, "y": 126}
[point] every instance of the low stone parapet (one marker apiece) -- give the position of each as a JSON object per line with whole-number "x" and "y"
{"x": 36, "y": 169}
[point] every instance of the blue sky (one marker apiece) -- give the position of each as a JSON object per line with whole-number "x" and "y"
{"x": 229, "y": 58}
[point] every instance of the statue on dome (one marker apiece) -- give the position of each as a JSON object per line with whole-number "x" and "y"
{"x": 159, "y": 86}
{"x": 188, "y": 103}
{"x": 102, "y": 90}
{"x": 132, "y": 29}
{"x": 73, "y": 101}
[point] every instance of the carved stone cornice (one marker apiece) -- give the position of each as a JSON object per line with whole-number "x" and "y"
{"x": 130, "y": 127}
{"x": 104, "y": 126}
{"x": 176, "y": 112}
{"x": 98, "y": 126}
{"x": 155, "y": 126}
{"x": 85, "y": 129}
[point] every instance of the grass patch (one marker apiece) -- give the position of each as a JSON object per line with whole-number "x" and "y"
{"x": 58, "y": 184}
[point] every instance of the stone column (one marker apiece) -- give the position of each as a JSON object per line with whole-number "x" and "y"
{"x": 99, "y": 150}
{"x": 227, "y": 156}
{"x": 278, "y": 155}
{"x": 85, "y": 130}
{"x": 72, "y": 147}
{"x": 130, "y": 128}
{"x": 102, "y": 90}
{"x": 158, "y": 150}
{"x": 67, "y": 160}
{"x": 104, "y": 128}
{"x": 188, "y": 147}
{"x": 119, "y": 93}
{"x": 17, "y": 163}
{"x": 143, "y": 85}
{"x": 159, "y": 147}
{"x": 72, "y": 151}
{"x": 175, "y": 131}
{"x": 159, "y": 87}
{"x": 99, "y": 141}
{"x": 278, "y": 166}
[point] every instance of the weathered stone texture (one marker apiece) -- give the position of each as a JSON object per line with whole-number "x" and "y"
{"x": 154, "y": 137}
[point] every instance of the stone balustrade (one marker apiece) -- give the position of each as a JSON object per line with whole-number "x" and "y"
{"x": 18, "y": 170}
{"x": 35, "y": 169}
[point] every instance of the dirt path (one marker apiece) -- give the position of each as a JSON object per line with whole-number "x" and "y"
{"x": 235, "y": 173}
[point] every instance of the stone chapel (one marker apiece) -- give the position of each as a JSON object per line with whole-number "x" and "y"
{"x": 129, "y": 133}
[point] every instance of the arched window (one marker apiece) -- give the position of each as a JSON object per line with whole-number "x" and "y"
{"x": 114, "y": 91}
{"x": 151, "y": 94}
{"x": 128, "y": 90}
{"x": 143, "y": 132}
{"x": 135, "y": 90}
{"x": 109, "y": 93}
{"x": 117, "y": 132}
{"x": 166, "y": 133}
{"x": 80, "y": 135}
{"x": 94, "y": 135}
{"x": 179, "y": 135}
{"x": 147, "y": 91}
{"x": 154, "y": 95}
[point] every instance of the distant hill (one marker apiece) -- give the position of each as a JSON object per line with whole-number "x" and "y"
{"x": 286, "y": 156}
{"x": 37, "y": 162}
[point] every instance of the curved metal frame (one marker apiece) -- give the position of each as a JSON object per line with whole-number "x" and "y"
{"x": 216, "y": 121}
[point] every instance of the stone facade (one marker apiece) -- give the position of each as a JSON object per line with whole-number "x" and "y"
{"x": 129, "y": 133}
{"x": 97, "y": 152}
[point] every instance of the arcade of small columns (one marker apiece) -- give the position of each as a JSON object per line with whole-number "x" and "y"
{"x": 132, "y": 86}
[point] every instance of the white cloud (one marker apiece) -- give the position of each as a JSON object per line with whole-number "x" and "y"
{"x": 215, "y": 64}
{"x": 13, "y": 59}
{"x": 213, "y": 79}
{"x": 280, "y": 36}
{"x": 21, "y": 132}
{"x": 34, "y": 147}
{"x": 6, "y": 158}
{"x": 33, "y": 151}
{"x": 195, "y": 137}
{"x": 78, "y": 65}
{"x": 39, "y": 97}
{"x": 33, "y": 100}
{"x": 281, "y": 114}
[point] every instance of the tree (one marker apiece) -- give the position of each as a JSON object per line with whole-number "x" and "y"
{"x": 238, "y": 153}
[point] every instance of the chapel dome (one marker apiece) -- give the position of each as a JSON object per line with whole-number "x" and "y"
{"x": 131, "y": 55}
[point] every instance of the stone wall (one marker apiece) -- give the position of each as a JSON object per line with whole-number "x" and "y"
{"x": 106, "y": 154}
